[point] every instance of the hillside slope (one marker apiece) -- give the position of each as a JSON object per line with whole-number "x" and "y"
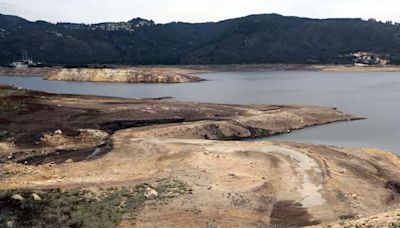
{"x": 267, "y": 38}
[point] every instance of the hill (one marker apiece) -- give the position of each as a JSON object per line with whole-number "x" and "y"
{"x": 267, "y": 38}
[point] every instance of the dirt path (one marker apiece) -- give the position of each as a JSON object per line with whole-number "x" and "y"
{"x": 234, "y": 184}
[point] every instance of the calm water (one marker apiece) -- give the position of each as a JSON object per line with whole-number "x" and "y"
{"x": 375, "y": 96}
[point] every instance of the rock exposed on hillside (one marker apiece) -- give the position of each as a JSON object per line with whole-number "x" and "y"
{"x": 36, "y": 197}
{"x": 18, "y": 197}
{"x": 150, "y": 193}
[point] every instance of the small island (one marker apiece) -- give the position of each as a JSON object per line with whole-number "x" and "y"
{"x": 128, "y": 75}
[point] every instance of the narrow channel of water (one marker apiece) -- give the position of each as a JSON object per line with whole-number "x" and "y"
{"x": 375, "y": 96}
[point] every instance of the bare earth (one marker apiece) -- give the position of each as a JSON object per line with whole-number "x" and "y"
{"x": 104, "y": 146}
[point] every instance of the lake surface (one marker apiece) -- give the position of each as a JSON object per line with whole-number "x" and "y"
{"x": 375, "y": 96}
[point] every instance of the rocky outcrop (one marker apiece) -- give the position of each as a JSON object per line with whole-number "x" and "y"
{"x": 130, "y": 75}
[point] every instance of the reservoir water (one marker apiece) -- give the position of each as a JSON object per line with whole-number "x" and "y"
{"x": 375, "y": 96}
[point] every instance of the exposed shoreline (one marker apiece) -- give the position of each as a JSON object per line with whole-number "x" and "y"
{"x": 175, "y": 74}
{"x": 123, "y": 74}
{"x": 295, "y": 67}
{"x": 188, "y": 153}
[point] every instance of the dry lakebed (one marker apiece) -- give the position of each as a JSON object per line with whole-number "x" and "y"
{"x": 71, "y": 160}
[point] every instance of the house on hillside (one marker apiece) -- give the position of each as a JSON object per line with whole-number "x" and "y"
{"x": 369, "y": 58}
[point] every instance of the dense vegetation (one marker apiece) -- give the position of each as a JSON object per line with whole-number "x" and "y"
{"x": 254, "y": 39}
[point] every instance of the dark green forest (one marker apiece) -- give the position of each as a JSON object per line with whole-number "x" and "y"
{"x": 268, "y": 38}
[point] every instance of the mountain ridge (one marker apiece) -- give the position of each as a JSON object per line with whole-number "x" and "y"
{"x": 253, "y": 39}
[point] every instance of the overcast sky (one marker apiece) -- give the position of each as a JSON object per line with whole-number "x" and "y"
{"x": 162, "y": 11}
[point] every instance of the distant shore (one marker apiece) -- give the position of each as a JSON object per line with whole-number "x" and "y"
{"x": 174, "y": 74}
{"x": 294, "y": 67}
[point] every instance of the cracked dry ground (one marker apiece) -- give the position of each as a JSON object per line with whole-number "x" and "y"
{"x": 109, "y": 150}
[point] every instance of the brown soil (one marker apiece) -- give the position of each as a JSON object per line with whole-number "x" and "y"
{"x": 74, "y": 142}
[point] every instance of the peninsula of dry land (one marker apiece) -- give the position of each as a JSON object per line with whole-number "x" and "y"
{"x": 83, "y": 160}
